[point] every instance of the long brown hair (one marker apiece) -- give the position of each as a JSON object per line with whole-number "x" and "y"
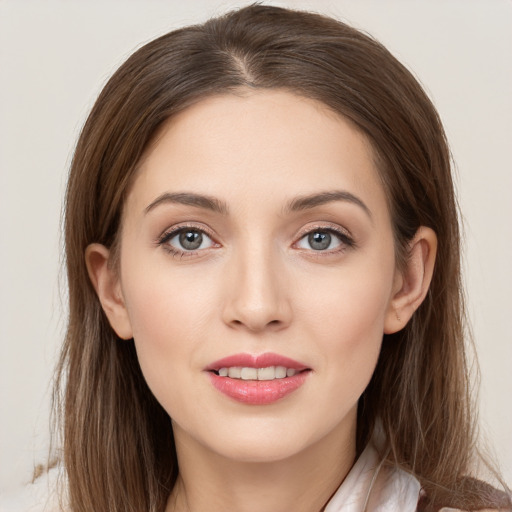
{"x": 118, "y": 445}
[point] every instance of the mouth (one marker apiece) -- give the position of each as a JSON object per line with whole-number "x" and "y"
{"x": 257, "y": 380}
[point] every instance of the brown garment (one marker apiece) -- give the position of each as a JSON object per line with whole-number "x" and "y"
{"x": 484, "y": 498}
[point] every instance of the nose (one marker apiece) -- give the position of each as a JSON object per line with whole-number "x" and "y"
{"x": 257, "y": 297}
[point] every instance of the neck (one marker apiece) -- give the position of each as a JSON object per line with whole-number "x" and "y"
{"x": 306, "y": 480}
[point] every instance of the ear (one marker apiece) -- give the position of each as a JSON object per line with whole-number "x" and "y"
{"x": 412, "y": 283}
{"x": 108, "y": 288}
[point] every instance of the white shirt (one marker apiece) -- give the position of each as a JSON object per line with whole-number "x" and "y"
{"x": 376, "y": 487}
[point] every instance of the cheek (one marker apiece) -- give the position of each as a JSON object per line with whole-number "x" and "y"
{"x": 350, "y": 306}
{"x": 346, "y": 320}
{"x": 352, "y": 337}
{"x": 163, "y": 304}
{"x": 168, "y": 318}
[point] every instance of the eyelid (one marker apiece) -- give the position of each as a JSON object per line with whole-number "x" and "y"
{"x": 187, "y": 224}
{"x": 324, "y": 226}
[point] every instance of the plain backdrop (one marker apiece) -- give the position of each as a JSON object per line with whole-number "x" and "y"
{"x": 56, "y": 55}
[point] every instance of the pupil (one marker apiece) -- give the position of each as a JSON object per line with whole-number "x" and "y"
{"x": 319, "y": 241}
{"x": 191, "y": 240}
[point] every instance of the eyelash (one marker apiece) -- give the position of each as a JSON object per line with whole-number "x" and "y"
{"x": 169, "y": 235}
{"x": 346, "y": 241}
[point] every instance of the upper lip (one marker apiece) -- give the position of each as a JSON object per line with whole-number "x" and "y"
{"x": 256, "y": 361}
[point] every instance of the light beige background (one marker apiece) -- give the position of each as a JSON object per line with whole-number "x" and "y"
{"x": 54, "y": 58}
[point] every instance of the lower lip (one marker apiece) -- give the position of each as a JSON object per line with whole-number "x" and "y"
{"x": 258, "y": 392}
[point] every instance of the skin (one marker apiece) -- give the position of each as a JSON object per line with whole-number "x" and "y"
{"x": 258, "y": 285}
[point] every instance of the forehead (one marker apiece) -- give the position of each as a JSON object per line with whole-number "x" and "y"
{"x": 254, "y": 145}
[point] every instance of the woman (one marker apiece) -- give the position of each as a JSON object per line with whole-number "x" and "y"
{"x": 264, "y": 281}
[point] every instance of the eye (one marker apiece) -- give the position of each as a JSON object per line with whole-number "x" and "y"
{"x": 185, "y": 239}
{"x": 324, "y": 240}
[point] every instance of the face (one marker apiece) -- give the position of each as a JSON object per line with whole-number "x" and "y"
{"x": 257, "y": 235}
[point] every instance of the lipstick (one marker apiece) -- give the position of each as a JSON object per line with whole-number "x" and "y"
{"x": 257, "y": 379}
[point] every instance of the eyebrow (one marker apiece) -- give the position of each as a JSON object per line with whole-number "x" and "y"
{"x": 190, "y": 199}
{"x": 218, "y": 206}
{"x": 319, "y": 199}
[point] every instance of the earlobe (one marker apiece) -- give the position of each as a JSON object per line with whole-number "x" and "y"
{"x": 412, "y": 283}
{"x": 108, "y": 288}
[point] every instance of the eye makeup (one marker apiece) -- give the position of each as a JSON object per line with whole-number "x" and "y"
{"x": 192, "y": 239}
{"x": 188, "y": 240}
{"x": 325, "y": 238}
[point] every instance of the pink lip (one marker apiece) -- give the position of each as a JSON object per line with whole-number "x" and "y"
{"x": 254, "y": 392}
{"x": 256, "y": 361}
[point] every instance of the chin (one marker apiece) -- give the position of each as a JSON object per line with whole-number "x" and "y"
{"x": 262, "y": 442}
{"x": 260, "y": 451}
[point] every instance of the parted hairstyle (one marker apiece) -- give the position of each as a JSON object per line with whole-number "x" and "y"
{"x": 118, "y": 446}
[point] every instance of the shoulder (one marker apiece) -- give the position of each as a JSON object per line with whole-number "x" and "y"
{"x": 38, "y": 496}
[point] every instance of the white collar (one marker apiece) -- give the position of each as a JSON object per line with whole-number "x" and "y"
{"x": 390, "y": 489}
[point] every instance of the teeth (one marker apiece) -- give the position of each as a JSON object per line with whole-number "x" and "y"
{"x": 249, "y": 373}
{"x": 267, "y": 373}
{"x": 246, "y": 373}
{"x": 280, "y": 372}
{"x": 235, "y": 372}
